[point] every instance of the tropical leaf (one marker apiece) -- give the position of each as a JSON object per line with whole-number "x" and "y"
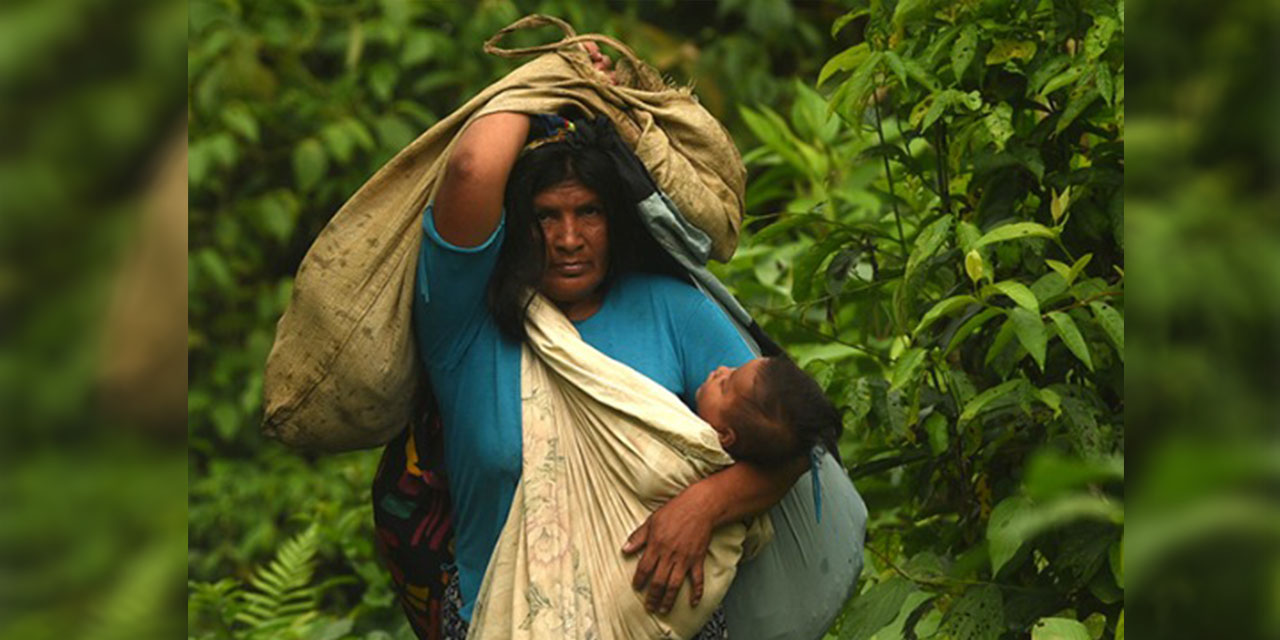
{"x": 943, "y": 308}
{"x": 310, "y": 164}
{"x": 928, "y": 242}
{"x": 1112, "y": 324}
{"x": 980, "y": 402}
{"x": 1015, "y": 291}
{"x": 1070, "y": 334}
{"x": 974, "y": 266}
{"x": 963, "y": 50}
{"x": 1059, "y": 629}
{"x": 1005, "y": 50}
{"x": 977, "y": 615}
{"x": 875, "y": 609}
{"x": 1030, "y": 330}
{"x": 908, "y": 365}
{"x": 972, "y": 324}
{"x": 1014, "y": 231}
{"x": 846, "y": 60}
{"x": 1002, "y": 542}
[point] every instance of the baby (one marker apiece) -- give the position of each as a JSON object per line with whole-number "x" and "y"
{"x": 768, "y": 411}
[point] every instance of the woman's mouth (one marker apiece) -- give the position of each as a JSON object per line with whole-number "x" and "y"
{"x": 571, "y": 269}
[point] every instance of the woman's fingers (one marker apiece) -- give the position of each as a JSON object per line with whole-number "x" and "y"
{"x": 600, "y": 61}
{"x": 644, "y": 570}
{"x": 672, "y": 587}
{"x": 637, "y": 540}
{"x": 662, "y": 578}
{"x": 695, "y": 576}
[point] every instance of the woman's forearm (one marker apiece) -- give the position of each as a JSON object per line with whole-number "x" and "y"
{"x": 744, "y": 490}
{"x": 468, "y": 206}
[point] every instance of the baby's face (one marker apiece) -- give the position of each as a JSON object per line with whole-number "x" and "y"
{"x": 723, "y": 388}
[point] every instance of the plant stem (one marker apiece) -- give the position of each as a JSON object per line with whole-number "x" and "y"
{"x": 941, "y": 582}
{"x": 897, "y": 217}
{"x": 817, "y": 333}
{"x": 944, "y": 177}
{"x": 1065, "y": 251}
{"x": 885, "y": 464}
{"x": 1077, "y": 305}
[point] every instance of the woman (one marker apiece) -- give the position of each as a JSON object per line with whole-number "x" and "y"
{"x": 566, "y": 232}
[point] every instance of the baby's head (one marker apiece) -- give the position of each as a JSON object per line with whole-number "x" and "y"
{"x": 768, "y": 410}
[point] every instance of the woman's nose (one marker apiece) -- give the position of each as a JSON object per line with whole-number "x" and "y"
{"x": 565, "y": 235}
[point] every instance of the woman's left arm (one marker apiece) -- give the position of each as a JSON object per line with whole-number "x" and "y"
{"x": 674, "y": 540}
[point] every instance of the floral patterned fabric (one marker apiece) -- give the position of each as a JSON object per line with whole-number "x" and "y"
{"x": 455, "y": 628}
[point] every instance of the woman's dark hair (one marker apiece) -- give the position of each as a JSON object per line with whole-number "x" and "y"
{"x": 581, "y": 158}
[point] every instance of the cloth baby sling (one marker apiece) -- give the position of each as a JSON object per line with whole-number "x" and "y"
{"x": 604, "y": 447}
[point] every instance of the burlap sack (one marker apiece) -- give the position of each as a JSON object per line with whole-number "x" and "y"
{"x": 343, "y": 372}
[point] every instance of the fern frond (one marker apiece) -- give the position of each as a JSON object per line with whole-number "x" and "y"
{"x": 221, "y": 600}
{"x": 281, "y": 594}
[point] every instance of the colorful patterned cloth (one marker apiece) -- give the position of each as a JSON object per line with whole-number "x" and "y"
{"x": 411, "y": 514}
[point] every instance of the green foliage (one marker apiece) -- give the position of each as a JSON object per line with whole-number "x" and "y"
{"x": 281, "y": 602}
{"x": 977, "y": 178}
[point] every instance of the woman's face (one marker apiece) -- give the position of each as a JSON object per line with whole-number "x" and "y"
{"x": 576, "y": 232}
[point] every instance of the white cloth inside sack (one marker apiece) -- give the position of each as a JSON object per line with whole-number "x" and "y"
{"x": 604, "y": 447}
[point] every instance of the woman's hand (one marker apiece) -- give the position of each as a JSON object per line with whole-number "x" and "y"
{"x": 674, "y": 541}
{"x": 676, "y": 537}
{"x": 600, "y": 61}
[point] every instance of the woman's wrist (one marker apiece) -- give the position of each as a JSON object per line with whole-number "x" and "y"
{"x": 706, "y": 498}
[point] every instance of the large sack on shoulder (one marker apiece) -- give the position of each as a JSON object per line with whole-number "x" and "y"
{"x": 343, "y": 372}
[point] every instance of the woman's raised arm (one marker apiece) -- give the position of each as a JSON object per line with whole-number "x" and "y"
{"x": 468, "y": 206}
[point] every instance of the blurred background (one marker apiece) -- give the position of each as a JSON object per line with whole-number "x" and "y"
{"x": 1012, "y": 512}
{"x": 92, "y": 290}
{"x": 1202, "y": 200}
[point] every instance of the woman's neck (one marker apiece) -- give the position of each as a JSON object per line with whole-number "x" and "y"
{"x": 580, "y": 310}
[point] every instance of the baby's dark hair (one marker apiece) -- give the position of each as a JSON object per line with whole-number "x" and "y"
{"x": 793, "y": 415}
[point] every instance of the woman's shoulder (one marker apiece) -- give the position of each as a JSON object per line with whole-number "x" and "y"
{"x": 699, "y": 329}
{"x": 674, "y": 297}
{"x": 658, "y": 286}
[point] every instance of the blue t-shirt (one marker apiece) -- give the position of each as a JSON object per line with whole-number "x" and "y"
{"x": 659, "y": 326}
